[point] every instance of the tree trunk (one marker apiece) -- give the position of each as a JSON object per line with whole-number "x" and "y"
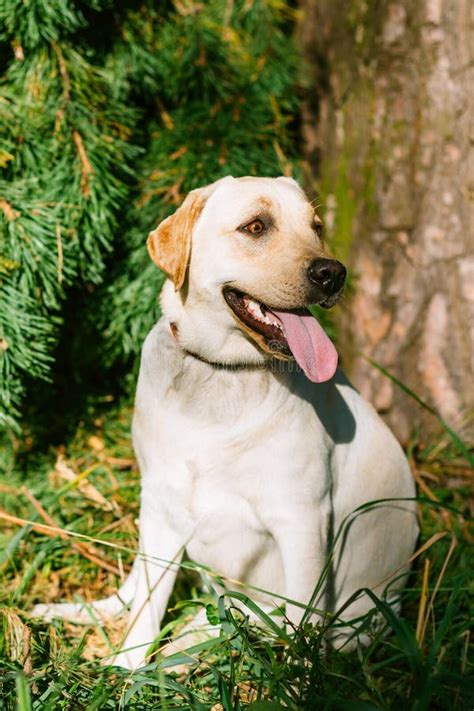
{"x": 386, "y": 131}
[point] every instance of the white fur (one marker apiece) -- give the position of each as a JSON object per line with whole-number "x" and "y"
{"x": 252, "y": 469}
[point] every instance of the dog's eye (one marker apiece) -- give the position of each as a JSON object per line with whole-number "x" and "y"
{"x": 319, "y": 228}
{"x": 254, "y": 228}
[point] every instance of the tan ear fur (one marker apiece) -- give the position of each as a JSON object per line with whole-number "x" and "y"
{"x": 169, "y": 245}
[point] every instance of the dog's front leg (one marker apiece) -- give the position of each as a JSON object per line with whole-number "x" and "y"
{"x": 160, "y": 553}
{"x": 303, "y": 556}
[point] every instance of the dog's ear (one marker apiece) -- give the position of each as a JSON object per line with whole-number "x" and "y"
{"x": 169, "y": 245}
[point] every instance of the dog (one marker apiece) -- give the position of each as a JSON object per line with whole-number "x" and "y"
{"x": 255, "y": 452}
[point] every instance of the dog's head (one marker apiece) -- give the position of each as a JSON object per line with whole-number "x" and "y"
{"x": 245, "y": 257}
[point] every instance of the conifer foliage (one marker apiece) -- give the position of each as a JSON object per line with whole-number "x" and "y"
{"x": 109, "y": 113}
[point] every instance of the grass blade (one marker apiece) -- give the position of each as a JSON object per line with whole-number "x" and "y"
{"x": 23, "y": 698}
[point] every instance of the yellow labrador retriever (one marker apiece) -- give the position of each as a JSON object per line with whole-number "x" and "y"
{"x": 253, "y": 449}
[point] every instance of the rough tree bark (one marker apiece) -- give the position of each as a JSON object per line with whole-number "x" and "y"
{"x": 386, "y": 127}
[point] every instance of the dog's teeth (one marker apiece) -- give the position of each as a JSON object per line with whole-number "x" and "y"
{"x": 260, "y": 312}
{"x": 254, "y": 309}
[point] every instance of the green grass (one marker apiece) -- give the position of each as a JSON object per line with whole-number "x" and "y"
{"x": 90, "y": 489}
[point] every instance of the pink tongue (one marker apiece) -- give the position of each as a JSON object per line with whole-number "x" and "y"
{"x": 312, "y": 349}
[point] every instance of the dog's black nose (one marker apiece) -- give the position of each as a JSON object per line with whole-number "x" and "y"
{"x": 327, "y": 274}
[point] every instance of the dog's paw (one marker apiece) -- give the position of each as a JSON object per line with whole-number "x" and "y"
{"x": 44, "y": 612}
{"x": 81, "y": 613}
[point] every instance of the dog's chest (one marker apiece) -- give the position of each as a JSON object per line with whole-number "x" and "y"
{"x": 224, "y": 457}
